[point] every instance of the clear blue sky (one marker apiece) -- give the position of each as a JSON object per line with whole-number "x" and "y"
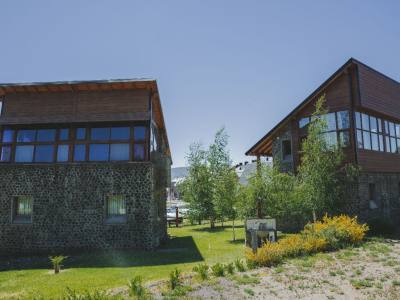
{"x": 242, "y": 64}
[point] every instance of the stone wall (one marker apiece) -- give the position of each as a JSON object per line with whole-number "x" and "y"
{"x": 69, "y": 209}
{"x": 284, "y": 165}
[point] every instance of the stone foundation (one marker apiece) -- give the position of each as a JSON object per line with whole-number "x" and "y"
{"x": 69, "y": 207}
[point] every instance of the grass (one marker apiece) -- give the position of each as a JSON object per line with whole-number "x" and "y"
{"x": 189, "y": 245}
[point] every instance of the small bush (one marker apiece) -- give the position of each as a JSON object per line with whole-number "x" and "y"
{"x": 218, "y": 270}
{"x": 330, "y": 233}
{"x": 57, "y": 261}
{"x": 97, "y": 295}
{"x": 230, "y": 268}
{"x": 136, "y": 288}
{"x": 175, "y": 279}
{"x": 239, "y": 265}
{"x": 202, "y": 271}
{"x": 339, "y": 231}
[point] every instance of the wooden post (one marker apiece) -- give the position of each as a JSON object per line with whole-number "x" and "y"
{"x": 254, "y": 241}
{"x": 259, "y": 208}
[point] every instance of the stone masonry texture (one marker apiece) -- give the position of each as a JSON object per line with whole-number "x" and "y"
{"x": 69, "y": 206}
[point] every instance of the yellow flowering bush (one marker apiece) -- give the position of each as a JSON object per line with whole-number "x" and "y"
{"x": 330, "y": 233}
{"x": 338, "y": 231}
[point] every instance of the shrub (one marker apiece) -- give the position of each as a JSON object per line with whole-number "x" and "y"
{"x": 230, "y": 268}
{"x": 97, "y": 295}
{"x": 218, "y": 270}
{"x": 136, "y": 288}
{"x": 338, "y": 231}
{"x": 202, "y": 271}
{"x": 330, "y": 233}
{"x": 239, "y": 265}
{"x": 175, "y": 279}
{"x": 57, "y": 262}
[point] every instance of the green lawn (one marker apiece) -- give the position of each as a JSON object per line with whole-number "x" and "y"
{"x": 188, "y": 246}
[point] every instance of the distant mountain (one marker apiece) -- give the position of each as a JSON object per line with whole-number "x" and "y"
{"x": 180, "y": 172}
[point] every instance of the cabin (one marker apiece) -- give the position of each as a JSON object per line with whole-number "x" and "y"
{"x": 364, "y": 119}
{"x": 83, "y": 165}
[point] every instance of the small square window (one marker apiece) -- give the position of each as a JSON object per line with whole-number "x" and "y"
{"x": 139, "y": 133}
{"x": 64, "y": 134}
{"x": 22, "y": 209}
{"x": 286, "y": 150}
{"x": 81, "y": 133}
{"x": 8, "y": 136}
{"x": 116, "y": 209}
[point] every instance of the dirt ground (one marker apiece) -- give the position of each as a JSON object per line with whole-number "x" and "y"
{"x": 371, "y": 271}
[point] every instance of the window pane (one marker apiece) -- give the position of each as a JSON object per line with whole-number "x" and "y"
{"x": 358, "y": 120}
{"x": 330, "y": 121}
{"x": 381, "y": 147}
{"x": 46, "y": 135}
{"x": 367, "y": 140}
{"x": 365, "y": 121}
{"x": 375, "y": 143}
{"x": 99, "y": 152}
{"x": 303, "y": 122}
{"x": 138, "y": 153}
{"x": 44, "y": 153}
{"x": 391, "y": 129}
{"x": 26, "y": 136}
{"x": 388, "y": 144}
{"x": 100, "y": 134}
{"x": 62, "y": 153}
{"x": 116, "y": 206}
{"x": 120, "y": 133}
{"x": 330, "y": 138}
{"x": 393, "y": 145}
{"x": 1, "y": 107}
{"x": 398, "y": 145}
{"x": 79, "y": 152}
{"x": 23, "y": 206}
{"x": 8, "y": 136}
{"x": 5, "y": 153}
{"x": 119, "y": 152}
{"x": 24, "y": 154}
{"x": 344, "y": 138}
{"x": 398, "y": 130}
{"x": 359, "y": 139}
{"x": 64, "y": 134}
{"x": 386, "y": 127}
{"x": 374, "y": 125}
{"x": 343, "y": 119}
{"x": 81, "y": 133}
{"x": 139, "y": 133}
{"x": 379, "y": 125}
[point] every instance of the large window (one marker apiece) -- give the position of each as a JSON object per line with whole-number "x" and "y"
{"x": 22, "y": 209}
{"x": 337, "y": 127}
{"x": 375, "y": 134}
{"x": 81, "y": 144}
{"x": 116, "y": 209}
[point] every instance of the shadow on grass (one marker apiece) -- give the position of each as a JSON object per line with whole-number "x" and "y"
{"x": 217, "y": 228}
{"x": 237, "y": 241}
{"x": 175, "y": 251}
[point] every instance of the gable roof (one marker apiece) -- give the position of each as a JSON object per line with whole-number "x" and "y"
{"x": 266, "y": 140}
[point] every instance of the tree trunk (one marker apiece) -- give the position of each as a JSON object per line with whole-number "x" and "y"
{"x": 314, "y": 216}
{"x": 199, "y": 221}
{"x": 259, "y": 213}
{"x": 222, "y": 222}
{"x": 212, "y": 223}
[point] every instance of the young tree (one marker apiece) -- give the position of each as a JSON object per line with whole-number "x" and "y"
{"x": 320, "y": 173}
{"x": 196, "y": 188}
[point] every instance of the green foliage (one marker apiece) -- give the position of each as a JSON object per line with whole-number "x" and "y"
{"x": 218, "y": 270}
{"x": 249, "y": 291}
{"x": 57, "y": 262}
{"x": 230, "y": 268}
{"x": 201, "y": 270}
{"x": 239, "y": 265}
{"x": 97, "y": 295}
{"x": 136, "y": 288}
{"x": 175, "y": 279}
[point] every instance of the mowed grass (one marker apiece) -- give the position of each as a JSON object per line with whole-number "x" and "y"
{"x": 30, "y": 277}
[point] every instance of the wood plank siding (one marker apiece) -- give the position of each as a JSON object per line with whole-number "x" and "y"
{"x": 76, "y": 106}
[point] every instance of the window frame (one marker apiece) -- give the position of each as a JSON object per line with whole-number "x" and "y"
{"x": 19, "y": 219}
{"x": 72, "y": 141}
{"x": 115, "y": 219}
{"x": 369, "y": 133}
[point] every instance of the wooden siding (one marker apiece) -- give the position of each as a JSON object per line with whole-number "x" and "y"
{"x": 75, "y": 106}
{"x": 373, "y": 161}
{"x": 379, "y": 93}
